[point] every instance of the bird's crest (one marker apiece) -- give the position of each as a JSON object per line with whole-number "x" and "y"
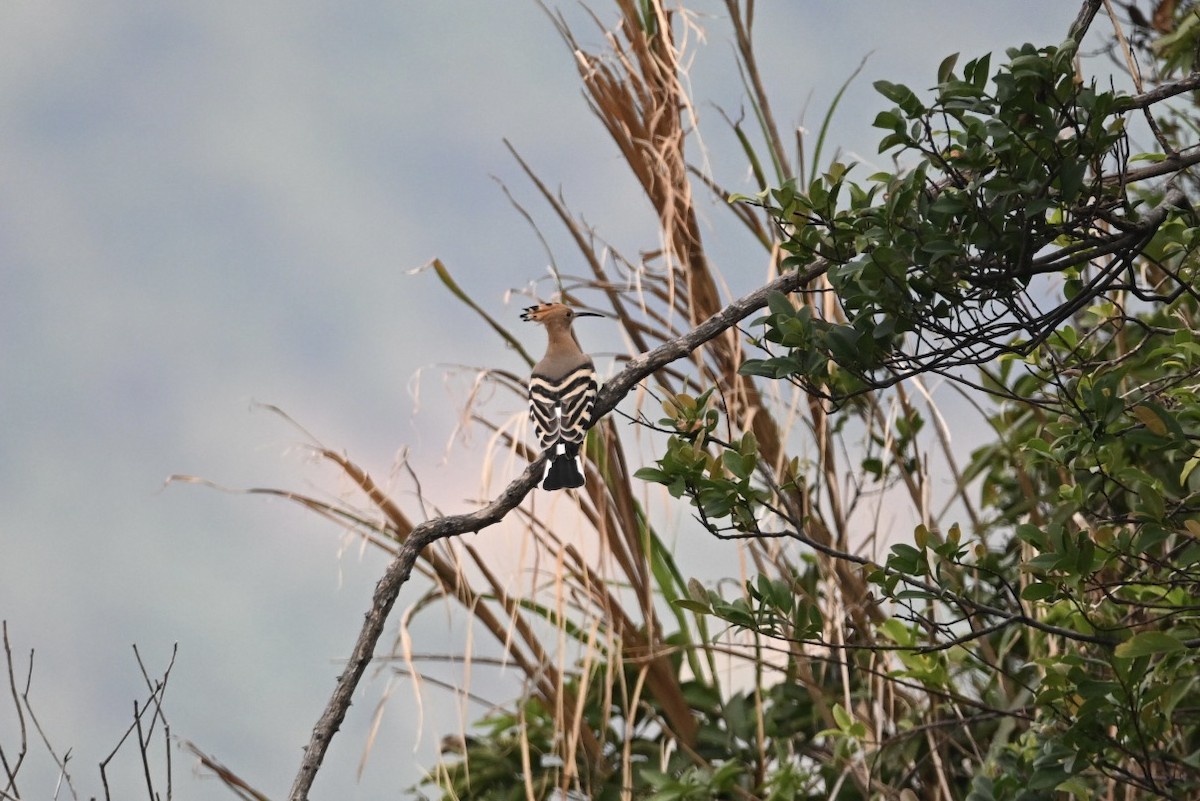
{"x": 543, "y": 312}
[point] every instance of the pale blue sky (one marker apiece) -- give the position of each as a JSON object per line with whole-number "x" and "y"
{"x": 210, "y": 204}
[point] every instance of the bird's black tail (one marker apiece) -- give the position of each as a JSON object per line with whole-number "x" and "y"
{"x": 562, "y": 469}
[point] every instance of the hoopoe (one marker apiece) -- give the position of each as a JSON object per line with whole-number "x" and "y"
{"x": 562, "y": 390}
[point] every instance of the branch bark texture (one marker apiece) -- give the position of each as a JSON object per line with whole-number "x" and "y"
{"x": 399, "y": 571}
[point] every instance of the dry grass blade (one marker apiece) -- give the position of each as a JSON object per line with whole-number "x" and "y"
{"x": 637, "y": 91}
{"x": 448, "y": 281}
{"x": 743, "y": 25}
{"x": 582, "y": 242}
{"x": 373, "y": 531}
{"x": 240, "y": 787}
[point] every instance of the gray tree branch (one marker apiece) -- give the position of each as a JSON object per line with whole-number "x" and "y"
{"x": 399, "y": 571}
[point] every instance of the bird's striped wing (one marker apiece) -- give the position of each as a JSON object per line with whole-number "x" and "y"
{"x": 561, "y": 407}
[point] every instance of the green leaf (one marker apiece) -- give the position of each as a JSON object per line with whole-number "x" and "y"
{"x": 1076, "y": 787}
{"x": 734, "y": 464}
{"x": 889, "y": 121}
{"x": 977, "y": 71}
{"x": 1152, "y": 157}
{"x": 652, "y": 474}
{"x": 778, "y": 303}
{"x": 946, "y": 68}
{"x": 894, "y": 140}
{"x": 842, "y": 717}
{"x": 1038, "y": 591}
{"x": 896, "y": 631}
{"x": 775, "y": 367}
{"x": 902, "y": 96}
{"x": 692, "y": 606}
{"x": 1153, "y": 504}
{"x": 1148, "y": 643}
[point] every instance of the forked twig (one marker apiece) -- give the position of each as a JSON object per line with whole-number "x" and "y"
{"x": 13, "y": 767}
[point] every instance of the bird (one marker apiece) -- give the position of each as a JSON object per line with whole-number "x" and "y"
{"x": 562, "y": 391}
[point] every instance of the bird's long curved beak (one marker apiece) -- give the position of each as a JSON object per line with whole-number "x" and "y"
{"x": 587, "y": 314}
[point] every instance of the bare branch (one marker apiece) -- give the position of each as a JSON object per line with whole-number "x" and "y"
{"x": 62, "y": 761}
{"x": 1163, "y": 92}
{"x": 399, "y": 571}
{"x": 12, "y": 769}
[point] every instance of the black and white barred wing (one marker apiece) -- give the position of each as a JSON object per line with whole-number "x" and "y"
{"x": 561, "y": 408}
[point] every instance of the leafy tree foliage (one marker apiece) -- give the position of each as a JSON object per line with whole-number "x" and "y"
{"x": 1056, "y": 648}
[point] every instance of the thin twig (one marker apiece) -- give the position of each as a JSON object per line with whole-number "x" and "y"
{"x": 11, "y": 770}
